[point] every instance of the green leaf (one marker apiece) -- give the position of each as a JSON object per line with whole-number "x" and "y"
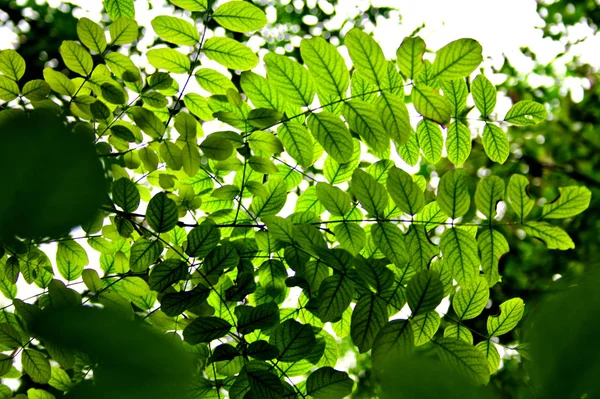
{"x": 9, "y": 89}
{"x": 334, "y": 199}
{"x": 460, "y": 251}
{"x": 369, "y": 315}
{"x": 119, "y": 8}
{"x": 9, "y": 336}
{"x": 420, "y": 249}
{"x": 458, "y": 143}
{"x": 371, "y": 194}
{"x": 363, "y": 118}
{"x": 12, "y": 65}
{"x": 198, "y": 106}
{"x": 161, "y": 214}
{"x": 216, "y": 147}
{"x": 190, "y": 159}
{"x": 431, "y": 104}
{"x": 491, "y": 353}
{"x": 175, "y": 30}
{"x": 36, "y": 365}
{"x": 525, "y": 113}
{"x": 425, "y": 326}
{"x": 58, "y": 82}
{"x": 490, "y": 191}
{"x": 271, "y": 276}
{"x": 335, "y": 294}
{"x": 240, "y": 16}
{"x": 60, "y": 380}
{"x": 169, "y": 60}
{"x": 470, "y": 300}
{"x": 453, "y": 196}
{"x": 91, "y": 35}
{"x": 424, "y": 292}
{"x": 205, "y": 329}
{"x": 126, "y": 195}
{"x": 230, "y": 53}
{"x": 202, "y": 239}
{"x": 332, "y": 134}
{"x": 148, "y": 122}
{"x": 191, "y": 5}
{"x": 464, "y": 358}
{"x": 367, "y": 56}
{"x": 36, "y": 90}
{"x": 351, "y": 236}
{"x": 484, "y": 94}
{"x": 518, "y": 196}
{"x": 571, "y": 201}
{"x": 553, "y": 236}
{"x": 511, "y": 312}
{"x": 292, "y": 339}
{"x": 457, "y": 59}
{"x": 217, "y": 83}
{"x": 492, "y": 245}
{"x": 394, "y": 115}
{"x": 495, "y": 143}
{"x": 456, "y": 91}
{"x": 275, "y": 199}
{"x": 291, "y": 79}
{"x": 123, "y": 31}
{"x": 328, "y": 383}
{"x": 260, "y": 317}
{"x": 326, "y": 65}
{"x": 173, "y": 304}
{"x": 113, "y": 93}
{"x": 405, "y": 192}
{"x": 410, "y": 56}
{"x": 171, "y": 153}
{"x": 143, "y": 254}
{"x": 389, "y": 239}
{"x": 264, "y": 118}
{"x": 430, "y": 140}
{"x": 70, "y": 259}
{"x": 166, "y": 273}
{"x": 264, "y": 383}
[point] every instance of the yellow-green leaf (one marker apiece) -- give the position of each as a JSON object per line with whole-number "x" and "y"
{"x": 230, "y": 53}
{"x": 175, "y": 30}
{"x": 240, "y": 16}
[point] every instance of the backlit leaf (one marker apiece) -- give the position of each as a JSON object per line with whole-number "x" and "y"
{"x": 371, "y": 194}
{"x": 490, "y": 191}
{"x": 230, "y": 53}
{"x": 405, "y": 192}
{"x": 453, "y": 196}
{"x": 553, "y": 236}
{"x": 464, "y": 358}
{"x": 119, "y": 8}
{"x": 424, "y": 292}
{"x": 91, "y": 35}
{"x": 460, "y": 251}
{"x": 367, "y": 56}
{"x": 495, "y": 143}
{"x": 471, "y": 299}
{"x": 518, "y": 196}
{"x": 240, "y": 16}
{"x": 457, "y": 59}
{"x": 326, "y": 65}
{"x": 410, "y": 56}
{"x": 526, "y": 113}
{"x": 511, "y": 313}
{"x": 431, "y": 104}
{"x": 484, "y": 94}
{"x": 12, "y": 65}
{"x": 571, "y": 201}
{"x": 175, "y": 30}
{"x": 332, "y": 134}
{"x": 328, "y": 383}
{"x": 291, "y": 79}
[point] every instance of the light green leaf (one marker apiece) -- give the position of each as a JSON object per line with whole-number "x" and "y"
{"x": 9, "y": 89}
{"x": 326, "y": 66}
{"x": 12, "y": 65}
{"x": 526, "y": 113}
{"x": 126, "y": 194}
{"x": 464, "y": 358}
{"x": 333, "y": 198}
{"x": 230, "y": 53}
{"x": 453, "y": 196}
{"x": 190, "y": 159}
{"x": 405, "y": 192}
{"x": 458, "y": 331}
{"x": 511, "y": 312}
{"x": 275, "y": 199}
{"x": 430, "y": 140}
{"x": 409, "y": 151}
{"x": 394, "y": 115}
{"x": 390, "y": 241}
{"x": 291, "y": 79}
{"x": 169, "y": 60}
{"x": 470, "y": 300}
{"x": 335, "y": 294}
{"x": 351, "y": 236}
{"x": 518, "y": 196}
{"x": 458, "y": 143}
{"x": 216, "y": 147}
{"x": 36, "y": 90}
{"x": 424, "y": 292}
{"x": 119, "y": 8}
{"x": 161, "y": 214}
{"x": 367, "y": 56}
{"x": 484, "y": 94}
{"x": 456, "y": 92}
{"x": 198, "y": 106}
{"x": 143, "y": 254}
{"x": 332, "y": 134}
{"x": 123, "y": 31}
{"x": 60, "y": 380}
{"x": 217, "y": 83}
{"x": 148, "y": 122}
{"x": 36, "y": 365}
{"x": 123, "y": 67}
{"x": 420, "y": 249}
{"x": 369, "y": 315}
{"x": 492, "y": 245}
{"x": 457, "y": 59}
{"x": 191, "y": 5}
{"x": 202, "y": 239}
{"x": 431, "y": 104}
{"x": 292, "y": 339}
{"x": 113, "y": 93}
{"x": 264, "y": 118}
{"x": 70, "y": 259}
{"x": 571, "y": 201}
{"x": 363, "y": 118}
{"x": 371, "y": 194}
{"x": 410, "y": 56}
{"x": 240, "y": 16}
{"x": 298, "y": 142}
{"x": 59, "y": 82}
{"x": 262, "y": 165}
{"x": 91, "y": 35}
{"x": 460, "y": 251}
{"x": 553, "y": 236}
{"x": 205, "y": 329}
{"x": 490, "y": 191}
{"x": 327, "y": 383}
{"x": 425, "y": 326}
{"x": 175, "y": 30}
{"x": 431, "y": 216}
{"x": 495, "y": 143}
{"x": 491, "y": 353}
{"x": 262, "y": 92}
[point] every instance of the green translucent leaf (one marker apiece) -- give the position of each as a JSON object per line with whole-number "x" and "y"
{"x": 167, "y": 273}
{"x": 571, "y": 201}
{"x": 425, "y": 326}
{"x": 91, "y": 35}
{"x": 464, "y": 358}
{"x": 430, "y": 140}
{"x": 492, "y": 245}
{"x": 367, "y": 56}
{"x": 217, "y": 83}
{"x": 431, "y": 104}
{"x": 460, "y": 251}
{"x": 190, "y": 158}
{"x": 191, "y": 5}
{"x": 470, "y": 300}
{"x": 175, "y": 30}
{"x": 70, "y": 259}
{"x": 326, "y": 66}
{"x": 363, "y": 118}
{"x": 60, "y": 380}
{"x": 495, "y": 143}
{"x": 333, "y": 198}
{"x": 217, "y": 148}
{"x": 255, "y": 318}
{"x": 36, "y": 365}
{"x": 113, "y": 93}
{"x": 126, "y": 194}
{"x": 58, "y": 82}
{"x": 9, "y": 336}
{"x": 491, "y": 353}
{"x": 456, "y": 91}
{"x": 262, "y": 92}
{"x": 458, "y": 143}
{"x": 292, "y": 339}
{"x": 484, "y": 94}
{"x": 394, "y": 115}
{"x": 332, "y": 134}
{"x": 405, "y": 192}
{"x": 205, "y": 329}
{"x": 161, "y": 214}
{"x": 271, "y": 276}
{"x": 264, "y": 118}
{"x": 420, "y": 249}
{"x": 389, "y": 239}
{"x": 36, "y": 90}
{"x": 490, "y": 191}
{"x": 526, "y": 113}
{"x": 123, "y": 31}
{"x": 275, "y": 199}
{"x": 457, "y": 59}
{"x": 335, "y": 294}
{"x": 202, "y": 239}
{"x": 240, "y": 16}
{"x": 410, "y": 56}
{"x": 169, "y": 60}
{"x": 148, "y": 122}
{"x": 328, "y": 383}
{"x": 511, "y": 312}
{"x": 424, "y": 292}
{"x": 291, "y": 79}
{"x": 9, "y": 89}
{"x": 518, "y": 196}
{"x": 230, "y": 53}
{"x": 369, "y": 315}
{"x": 123, "y": 67}
{"x": 409, "y": 151}
{"x": 458, "y": 332}
{"x": 173, "y": 304}
{"x": 371, "y": 194}
{"x": 119, "y": 8}
{"x": 12, "y": 65}
{"x": 453, "y": 196}
{"x": 351, "y": 236}
{"x": 553, "y": 236}
{"x": 264, "y": 383}
{"x": 198, "y": 106}
{"x": 143, "y": 254}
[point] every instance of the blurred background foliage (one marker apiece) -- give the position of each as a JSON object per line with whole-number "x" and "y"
{"x": 565, "y": 150}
